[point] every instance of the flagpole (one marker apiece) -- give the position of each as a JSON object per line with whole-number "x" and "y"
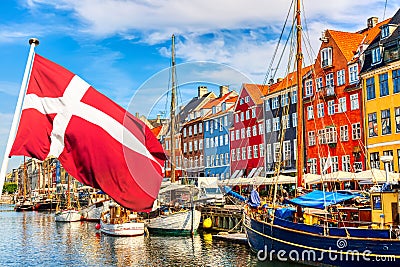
{"x": 33, "y": 42}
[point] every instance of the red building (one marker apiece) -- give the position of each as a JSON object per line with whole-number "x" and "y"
{"x": 247, "y": 134}
{"x": 333, "y": 102}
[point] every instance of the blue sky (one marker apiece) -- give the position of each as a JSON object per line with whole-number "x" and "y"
{"x": 122, "y": 47}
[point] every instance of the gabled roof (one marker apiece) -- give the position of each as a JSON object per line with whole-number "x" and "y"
{"x": 255, "y": 91}
{"x": 217, "y": 101}
{"x": 347, "y": 42}
{"x": 156, "y": 131}
{"x": 193, "y": 105}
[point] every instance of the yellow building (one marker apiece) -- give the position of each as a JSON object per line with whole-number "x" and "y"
{"x": 381, "y": 94}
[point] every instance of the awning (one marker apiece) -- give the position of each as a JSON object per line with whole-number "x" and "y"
{"x": 234, "y": 174}
{"x": 319, "y": 199}
{"x": 252, "y": 172}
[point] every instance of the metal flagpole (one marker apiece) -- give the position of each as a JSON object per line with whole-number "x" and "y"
{"x": 33, "y": 42}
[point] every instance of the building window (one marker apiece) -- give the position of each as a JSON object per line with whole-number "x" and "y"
{"x": 238, "y": 153}
{"x": 247, "y": 99}
{"x": 254, "y": 130}
{"x": 396, "y": 81}
{"x": 309, "y": 87}
{"x": 310, "y": 112}
{"x": 335, "y": 164}
{"x": 331, "y": 135}
{"x": 356, "y": 131}
{"x": 243, "y": 153}
{"x": 344, "y": 133}
{"x": 221, "y": 124}
{"x": 320, "y": 110}
{"x": 184, "y": 147}
{"x": 275, "y": 124}
{"x": 277, "y": 152}
{"x": 233, "y": 157}
{"x": 206, "y": 126}
{"x": 221, "y": 140}
{"x": 184, "y": 132}
{"x": 211, "y": 126}
{"x": 385, "y": 31}
{"x": 313, "y": 165}
{"x": 190, "y": 130}
{"x": 226, "y": 158}
{"x": 342, "y": 105}
{"x": 372, "y": 125}
{"x": 195, "y": 145}
{"x": 354, "y": 104}
{"x": 341, "y": 79}
{"x": 261, "y": 128}
{"x": 268, "y": 125}
{"x": 241, "y": 116}
{"x": 212, "y": 161}
{"x": 248, "y": 132}
{"x": 237, "y": 117}
{"x": 326, "y": 57}
{"x": 195, "y": 129}
{"x": 346, "y": 163}
{"x": 389, "y": 164}
{"x": 319, "y": 84}
{"x": 331, "y": 107}
{"x": 353, "y": 73}
{"x": 255, "y": 151}
{"x": 267, "y": 107}
{"x": 200, "y": 127}
{"x": 294, "y": 96}
{"x": 385, "y": 118}
{"x": 376, "y": 56}
{"x": 207, "y": 142}
{"x": 249, "y": 152}
{"x": 397, "y": 120}
{"x": 237, "y": 135}
{"x": 371, "y": 88}
{"x": 383, "y": 84}
{"x": 241, "y": 101}
{"x": 190, "y": 146}
{"x": 217, "y": 160}
{"x": 233, "y": 136}
{"x": 200, "y": 144}
{"x": 330, "y": 83}
{"x": 284, "y": 100}
{"x": 226, "y": 120}
{"x": 226, "y": 139}
{"x": 374, "y": 160}
{"x": 287, "y": 154}
{"x": 242, "y": 133}
{"x": 253, "y": 112}
{"x": 311, "y": 138}
{"x": 275, "y": 102}
{"x": 247, "y": 114}
{"x": 211, "y": 141}
{"x": 269, "y": 153}
{"x": 321, "y": 136}
{"x": 285, "y": 122}
{"x": 216, "y": 141}
{"x": 261, "y": 146}
{"x": 294, "y": 119}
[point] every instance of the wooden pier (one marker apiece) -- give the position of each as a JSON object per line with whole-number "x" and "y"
{"x": 226, "y": 218}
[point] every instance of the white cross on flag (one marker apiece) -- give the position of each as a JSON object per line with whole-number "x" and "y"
{"x": 97, "y": 142}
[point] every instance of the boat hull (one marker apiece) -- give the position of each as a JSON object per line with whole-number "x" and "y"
{"x": 122, "y": 229}
{"x": 267, "y": 240}
{"x": 68, "y": 216}
{"x": 179, "y": 223}
{"x": 93, "y": 212}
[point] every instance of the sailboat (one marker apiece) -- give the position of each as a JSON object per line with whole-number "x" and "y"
{"x": 69, "y": 213}
{"x": 334, "y": 238}
{"x": 24, "y": 204}
{"x": 175, "y": 220}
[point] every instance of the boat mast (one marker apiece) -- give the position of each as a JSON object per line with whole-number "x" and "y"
{"x": 172, "y": 126}
{"x": 68, "y": 193}
{"x": 25, "y": 178}
{"x": 300, "y": 112}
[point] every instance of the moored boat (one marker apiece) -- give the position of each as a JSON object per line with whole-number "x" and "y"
{"x": 118, "y": 221}
{"x": 68, "y": 215}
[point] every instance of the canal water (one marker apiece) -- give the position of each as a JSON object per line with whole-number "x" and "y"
{"x": 34, "y": 239}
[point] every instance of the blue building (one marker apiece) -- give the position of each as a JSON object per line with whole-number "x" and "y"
{"x": 216, "y": 134}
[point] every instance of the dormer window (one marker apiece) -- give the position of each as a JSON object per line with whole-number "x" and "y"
{"x": 223, "y": 106}
{"x": 376, "y": 55}
{"x": 326, "y": 57}
{"x": 214, "y": 109}
{"x": 385, "y": 31}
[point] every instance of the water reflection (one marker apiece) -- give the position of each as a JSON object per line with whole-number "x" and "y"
{"x": 35, "y": 239}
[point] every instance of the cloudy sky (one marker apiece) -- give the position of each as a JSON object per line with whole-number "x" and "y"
{"x": 123, "y": 47}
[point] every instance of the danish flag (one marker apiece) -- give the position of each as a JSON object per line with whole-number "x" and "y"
{"x": 97, "y": 142}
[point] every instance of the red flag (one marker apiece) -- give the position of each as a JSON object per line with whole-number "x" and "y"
{"x": 97, "y": 142}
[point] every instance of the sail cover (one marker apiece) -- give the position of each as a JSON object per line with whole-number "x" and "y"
{"x": 319, "y": 199}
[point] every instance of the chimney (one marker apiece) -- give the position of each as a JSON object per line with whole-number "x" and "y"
{"x": 372, "y": 21}
{"x": 202, "y": 90}
{"x": 271, "y": 81}
{"x": 223, "y": 90}
{"x": 137, "y": 114}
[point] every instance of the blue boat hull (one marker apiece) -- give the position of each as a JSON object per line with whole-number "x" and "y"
{"x": 271, "y": 241}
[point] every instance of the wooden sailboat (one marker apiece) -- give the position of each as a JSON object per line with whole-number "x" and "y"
{"x": 183, "y": 221}
{"x": 69, "y": 213}
{"x": 277, "y": 232}
{"x": 24, "y": 203}
{"x": 119, "y": 221}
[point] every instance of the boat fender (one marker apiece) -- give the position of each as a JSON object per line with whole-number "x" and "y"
{"x": 207, "y": 223}
{"x": 97, "y": 226}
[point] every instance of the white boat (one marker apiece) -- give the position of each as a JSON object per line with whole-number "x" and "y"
{"x": 184, "y": 222}
{"x": 94, "y": 210}
{"x": 68, "y": 215}
{"x": 118, "y": 221}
